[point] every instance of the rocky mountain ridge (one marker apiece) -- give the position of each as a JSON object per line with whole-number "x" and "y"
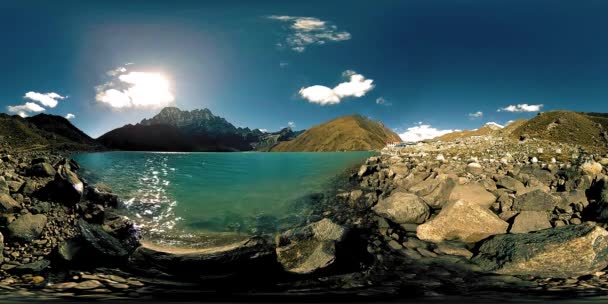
{"x": 346, "y": 133}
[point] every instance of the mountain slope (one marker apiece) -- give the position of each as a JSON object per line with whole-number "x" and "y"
{"x": 487, "y": 129}
{"x": 44, "y": 132}
{"x": 565, "y": 126}
{"x": 347, "y": 133}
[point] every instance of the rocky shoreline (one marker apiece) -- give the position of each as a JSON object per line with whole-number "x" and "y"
{"x": 481, "y": 216}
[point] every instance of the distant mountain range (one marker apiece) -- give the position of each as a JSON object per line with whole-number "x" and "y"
{"x": 44, "y": 132}
{"x": 199, "y": 130}
{"x": 346, "y": 133}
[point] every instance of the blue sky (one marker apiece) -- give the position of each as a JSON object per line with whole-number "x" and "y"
{"x": 422, "y": 65}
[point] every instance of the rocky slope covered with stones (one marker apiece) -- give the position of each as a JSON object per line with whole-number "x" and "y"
{"x": 531, "y": 209}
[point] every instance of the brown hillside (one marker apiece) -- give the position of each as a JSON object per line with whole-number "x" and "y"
{"x": 563, "y": 126}
{"x": 347, "y": 133}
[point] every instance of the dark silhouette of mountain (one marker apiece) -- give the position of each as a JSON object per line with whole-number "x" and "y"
{"x": 199, "y": 130}
{"x": 44, "y": 131}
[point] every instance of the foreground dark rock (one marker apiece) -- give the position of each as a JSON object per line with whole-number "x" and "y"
{"x": 310, "y": 248}
{"x": 247, "y": 258}
{"x": 563, "y": 252}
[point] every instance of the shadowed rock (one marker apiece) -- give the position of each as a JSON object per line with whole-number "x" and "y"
{"x": 563, "y": 252}
{"x": 527, "y": 221}
{"x": 536, "y": 200}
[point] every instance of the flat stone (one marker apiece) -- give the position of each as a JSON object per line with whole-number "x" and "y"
{"x": 510, "y": 184}
{"x": 64, "y": 285}
{"x": 536, "y": 200}
{"x": 453, "y": 250}
{"x": 473, "y": 193}
{"x": 394, "y": 245}
{"x": 89, "y": 284}
{"x": 527, "y": 221}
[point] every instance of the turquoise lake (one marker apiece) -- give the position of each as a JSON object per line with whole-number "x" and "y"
{"x": 207, "y": 199}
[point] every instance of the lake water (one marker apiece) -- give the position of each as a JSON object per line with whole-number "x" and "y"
{"x": 207, "y": 199}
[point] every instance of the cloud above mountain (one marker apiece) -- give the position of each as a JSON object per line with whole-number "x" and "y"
{"x": 306, "y": 31}
{"x": 521, "y": 108}
{"x": 70, "y": 116}
{"x": 423, "y": 131}
{"x": 356, "y": 86}
{"x": 24, "y": 109}
{"x": 475, "y": 115}
{"x": 134, "y": 89}
{"x": 46, "y": 99}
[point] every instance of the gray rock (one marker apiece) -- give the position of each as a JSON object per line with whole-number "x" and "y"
{"x": 536, "y": 200}
{"x": 510, "y": 184}
{"x": 310, "y": 248}
{"x": 27, "y": 227}
{"x": 527, "y": 221}
{"x": 1, "y": 247}
{"x": 567, "y": 251}
{"x": 41, "y": 170}
{"x": 28, "y": 187}
{"x": 7, "y": 203}
{"x": 451, "y": 248}
{"x": 41, "y": 208}
{"x": 4, "y": 186}
{"x": 69, "y": 187}
{"x": 464, "y": 221}
{"x": 473, "y": 193}
{"x": 100, "y": 243}
{"x": 425, "y": 187}
{"x": 403, "y": 208}
{"x": 34, "y": 267}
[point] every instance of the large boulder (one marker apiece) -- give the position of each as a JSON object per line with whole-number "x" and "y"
{"x": 567, "y": 251}
{"x": 403, "y": 208}
{"x": 463, "y": 221}
{"x": 7, "y": 203}
{"x": 511, "y": 184}
{"x": 440, "y": 196}
{"x": 527, "y": 221}
{"x": 101, "y": 244}
{"x": 536, "y": 200}
{"x": 310, "y": 248}
{"x": 27, "y": 227}
{"x": 68, "y": 186}
{"x": 473, "y": 193}
{"x": 42, "y": 170}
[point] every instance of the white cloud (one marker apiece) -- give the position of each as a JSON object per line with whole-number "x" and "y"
{"x": 46, "y": 99}
{"x": 382, "y": 101}
{"x": 291, "y": 124}
{"x": 509, "y": 122}
{"x": 475, "y": 115}
{"x": 135, "y": 90}
{"x": 421, "y": 132}
{"x": 521, "y": 108}
{"x": 263, "y": 130}
{"x": 306, "y": 31}
{"x": 283, "y": 64}
{"x": 356, "y": 86}
{"x": 24, "y": 109}
{"x": 70, "y": 116}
